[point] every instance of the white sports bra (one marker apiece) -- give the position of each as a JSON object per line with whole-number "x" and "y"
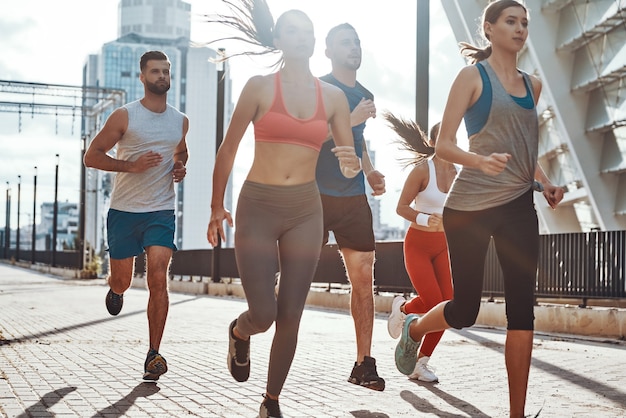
{"x": 431, "y": 199}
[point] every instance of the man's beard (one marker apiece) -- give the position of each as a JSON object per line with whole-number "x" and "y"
{"x": 353, "y": 65}
{"x": 159, "y": 89}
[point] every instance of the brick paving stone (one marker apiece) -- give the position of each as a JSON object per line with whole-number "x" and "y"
{"x": 62, "y": 355}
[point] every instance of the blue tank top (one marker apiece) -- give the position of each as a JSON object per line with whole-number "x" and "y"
{"x": 330, "y": 181}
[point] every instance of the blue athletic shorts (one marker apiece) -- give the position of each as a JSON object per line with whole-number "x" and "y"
{"x": 129, "y": 233}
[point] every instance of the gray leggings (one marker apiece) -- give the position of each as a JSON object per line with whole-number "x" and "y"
{"x": 278, "y": 228}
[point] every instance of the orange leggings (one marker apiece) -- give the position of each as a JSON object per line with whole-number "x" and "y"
{"x": 427, "y": 263}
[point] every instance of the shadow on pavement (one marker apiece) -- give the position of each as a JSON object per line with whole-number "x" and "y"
{"x": 368, "y": 414}
{"x": 119, "y": 408}
{"x": 40, "y": 409}
{"x": 58, "y": 331}
{"x": 422, "y": 405}
{"x": 611, "y": 393}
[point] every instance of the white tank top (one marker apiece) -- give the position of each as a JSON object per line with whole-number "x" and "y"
{"x": 153, "y": 189}
{"x": 431, "y": 199}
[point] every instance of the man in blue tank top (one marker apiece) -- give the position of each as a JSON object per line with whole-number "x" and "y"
{"x": 346, "y": 210}
{"x": 151, "y": 153}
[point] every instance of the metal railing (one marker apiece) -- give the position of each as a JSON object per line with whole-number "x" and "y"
{"x": 67, "y": 259}
{"x": 590, "y": 265}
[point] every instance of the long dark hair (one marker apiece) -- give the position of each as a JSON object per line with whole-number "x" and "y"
{"x": 491, "y": 13}
{"x": 411, "y": 138}
{"x": 253, "y": 20}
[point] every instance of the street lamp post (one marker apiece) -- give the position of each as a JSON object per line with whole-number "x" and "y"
{"x": 81, "y": 208}
{"x": 55, "y": 216}
{"x": 219, "y": 135}
{"x": 17, "y": 235}
{"x": 34, "y": 235}
{"x": 422, "y": 64}
{"x": 7, "y": 225}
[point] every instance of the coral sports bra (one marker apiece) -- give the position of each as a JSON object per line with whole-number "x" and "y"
{"x": 278, "y": 126}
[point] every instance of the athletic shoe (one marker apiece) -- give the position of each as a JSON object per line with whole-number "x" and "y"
{"x": 406, "y": 350}
{"x": 154, "y": 366}
{"x": 422, "y": 372}
{"x": 365, "y": 375}
{"x": 238, "y": 355}
{"x": 396, "y": 317}
{"x": 270, "y": 409}
{"x": 114, "y": 302}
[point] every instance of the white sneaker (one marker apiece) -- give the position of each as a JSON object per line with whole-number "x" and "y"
{"x": 422, "y": 372}
{"x": 396, "y": 317}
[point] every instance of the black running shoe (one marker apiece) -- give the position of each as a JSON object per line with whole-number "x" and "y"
{"x": 238, "y": 355}
{"x": 154, "y": 366}
{"x": 365, "y": 375}
{"x": 270, "y": 409}
{"x": 114, "y": 302}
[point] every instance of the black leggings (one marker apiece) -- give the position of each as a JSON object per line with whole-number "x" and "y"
{"x": 277, "y": 228}
{"x": 514, "y": 228}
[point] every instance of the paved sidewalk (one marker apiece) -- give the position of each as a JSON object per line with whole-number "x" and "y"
{"x": 62, "y": 355}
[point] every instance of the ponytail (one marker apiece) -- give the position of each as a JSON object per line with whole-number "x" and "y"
{"x": 411, "y": 138}
{"x": 474, "y": 53}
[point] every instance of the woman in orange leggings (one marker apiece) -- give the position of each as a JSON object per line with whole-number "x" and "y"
{"x": 425, "y": 247}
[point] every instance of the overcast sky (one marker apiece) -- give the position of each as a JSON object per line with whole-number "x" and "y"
{"x": 47, "y": 42}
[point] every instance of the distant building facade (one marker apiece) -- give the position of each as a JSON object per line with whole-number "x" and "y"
{"x": 67, "y": 226}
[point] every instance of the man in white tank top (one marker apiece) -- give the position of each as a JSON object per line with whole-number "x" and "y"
{"x": 151, "y": 153}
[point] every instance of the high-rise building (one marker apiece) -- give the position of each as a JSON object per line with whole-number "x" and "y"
{"x": 164, "y": 25}
{"x": 578, "y": 49}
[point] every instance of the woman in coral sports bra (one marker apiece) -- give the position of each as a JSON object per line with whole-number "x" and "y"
{"x": 278, "y": 222}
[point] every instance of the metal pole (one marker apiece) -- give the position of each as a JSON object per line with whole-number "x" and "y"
{"x": 7, "y": 225}
{"x": 219, "y": 135}
{"x": 422, "y": 64}
{"x": 34, "y": 235}
{"x": 81, "y": 208}
{"x": 55, "y": 216}
{"x": 17, "y": 236}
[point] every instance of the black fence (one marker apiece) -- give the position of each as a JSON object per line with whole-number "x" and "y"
{"x": 67, "y": 259}
{"x": 589, "y": 265}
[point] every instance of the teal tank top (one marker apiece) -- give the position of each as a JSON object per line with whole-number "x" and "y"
{"x": 509, "y": 128}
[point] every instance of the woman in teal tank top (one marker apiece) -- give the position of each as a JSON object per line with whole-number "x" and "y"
{"x": 492, "y": 195}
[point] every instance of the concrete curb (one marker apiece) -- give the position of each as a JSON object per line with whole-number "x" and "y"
{"x": 594, "y": 321}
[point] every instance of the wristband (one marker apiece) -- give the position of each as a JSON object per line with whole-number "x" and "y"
{"x": 422, "y": 219}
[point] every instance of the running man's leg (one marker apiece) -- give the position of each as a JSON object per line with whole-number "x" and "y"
{"x": 121, "y": 274}
{"x": 360, "y": 270}
{"x": 158, "y": 260}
